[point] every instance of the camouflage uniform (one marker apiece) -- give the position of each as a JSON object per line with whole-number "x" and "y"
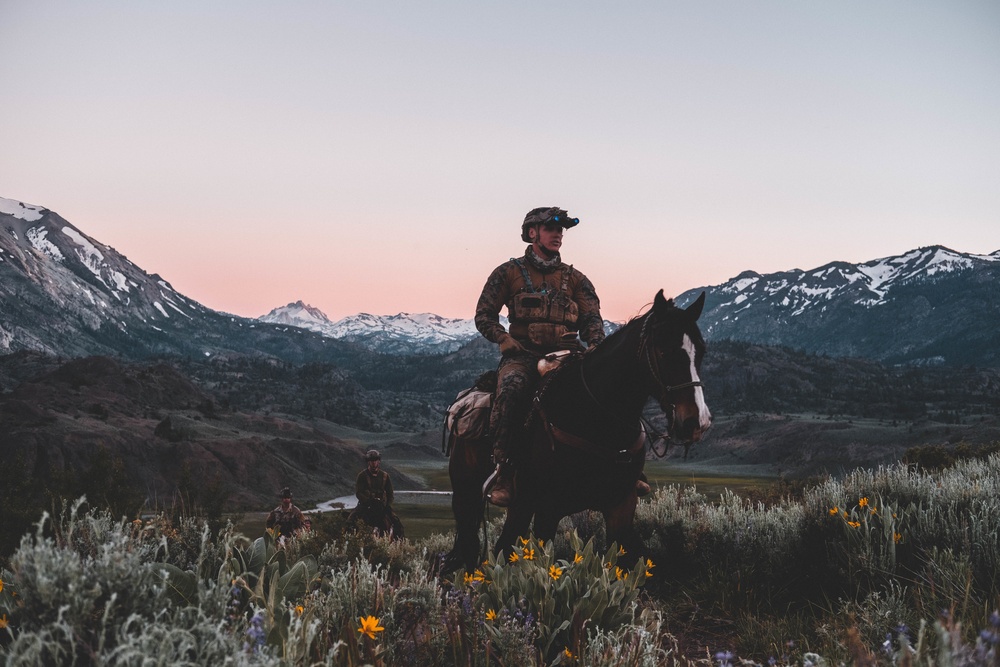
{"x": 517, "y": 375}
{"x": 374, "y": 490}
{"x": 375, "y": 496}
{"x": 288, "y": 521}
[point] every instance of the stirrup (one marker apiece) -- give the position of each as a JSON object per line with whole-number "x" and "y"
{"x": 490, "y": 481}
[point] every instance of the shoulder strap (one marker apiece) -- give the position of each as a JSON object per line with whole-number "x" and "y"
{"x": 524, "y": 272}
{"x": 566, "y": 273}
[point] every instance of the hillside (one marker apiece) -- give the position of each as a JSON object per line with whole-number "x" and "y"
{"x": 167, "y": 434}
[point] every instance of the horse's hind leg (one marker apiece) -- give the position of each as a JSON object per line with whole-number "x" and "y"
{"x": 467, "y": 504}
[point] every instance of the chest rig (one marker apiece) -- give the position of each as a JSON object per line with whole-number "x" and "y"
{"x": 543, "y": 315}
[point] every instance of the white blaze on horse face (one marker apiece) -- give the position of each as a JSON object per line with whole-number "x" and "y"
{"x": 704, "y": 416}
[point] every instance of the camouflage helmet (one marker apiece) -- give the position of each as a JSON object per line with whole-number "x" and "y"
{"x": 546, "y": 215}
{"x": 372, "y": 455}
{"x": 285, "y": 493}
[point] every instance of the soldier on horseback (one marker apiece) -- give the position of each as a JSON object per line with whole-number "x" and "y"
{"x": 373, "y": 489}
{"x": 548, "y": 305}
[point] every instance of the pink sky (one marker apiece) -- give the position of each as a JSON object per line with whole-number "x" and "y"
{"x": 380, "y": 159}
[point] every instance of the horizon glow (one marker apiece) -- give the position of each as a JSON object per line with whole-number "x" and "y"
{"x": 380, "y": 159}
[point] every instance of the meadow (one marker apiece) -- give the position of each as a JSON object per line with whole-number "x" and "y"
{"x": 888, "y": 566}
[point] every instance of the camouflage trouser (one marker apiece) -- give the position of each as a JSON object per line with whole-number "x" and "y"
{"x": 517, "y": 379}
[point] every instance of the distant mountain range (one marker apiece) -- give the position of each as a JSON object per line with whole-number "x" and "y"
{"x": 394, "y": 334}
{"x": 925, "y": 307}
{"x": 65, "y": 293}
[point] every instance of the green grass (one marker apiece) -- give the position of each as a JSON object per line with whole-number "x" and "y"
{"x": 706, "y": 482}
{"x": 424, "y": 520}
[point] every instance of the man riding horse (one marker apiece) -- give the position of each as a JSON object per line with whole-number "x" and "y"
{"x": 548, "y": 305}
{"x": 373, "y": 488}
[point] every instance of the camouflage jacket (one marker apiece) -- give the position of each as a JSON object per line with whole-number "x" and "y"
{"x": 288, "y": 521}
{"x": 375, "y": 488}
{"x": 507, "y": 280}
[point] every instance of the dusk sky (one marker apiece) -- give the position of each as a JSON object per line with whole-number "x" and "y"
{"x": 379, "y": 157}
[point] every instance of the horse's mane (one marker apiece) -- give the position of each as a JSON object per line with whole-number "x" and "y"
{"x": 616, "y": 338}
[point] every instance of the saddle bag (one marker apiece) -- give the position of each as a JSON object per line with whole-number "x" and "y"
{"x": 468, "y": 416}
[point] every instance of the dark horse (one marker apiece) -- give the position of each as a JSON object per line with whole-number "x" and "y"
{"x": 585, "y": 445}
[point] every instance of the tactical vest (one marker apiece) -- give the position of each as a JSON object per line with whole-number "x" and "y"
{"x": 543, "y": 316}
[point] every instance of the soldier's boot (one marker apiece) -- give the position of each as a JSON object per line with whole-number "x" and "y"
{"x": 499, "y": 487}
{"x": 642, "y": 485}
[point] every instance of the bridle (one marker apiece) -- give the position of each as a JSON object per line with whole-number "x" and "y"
{"x": 666, "y": 405}
{"x": 654, "y": 365}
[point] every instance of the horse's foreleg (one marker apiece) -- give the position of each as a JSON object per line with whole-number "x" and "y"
{"x": 514, "y": 526}
{"x": 619, "y": 523}
{"x": 546, "y": 524}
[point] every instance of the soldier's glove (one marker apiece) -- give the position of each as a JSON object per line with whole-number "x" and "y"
{"x": 508, "y": 345}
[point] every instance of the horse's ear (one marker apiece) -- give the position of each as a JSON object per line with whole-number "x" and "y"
{"x": 659, "y": 302}
{"x": 694, "y": 310}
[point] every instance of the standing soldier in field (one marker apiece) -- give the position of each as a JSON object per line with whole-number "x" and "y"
{"x": 548, "y": 305}
{"x": 288, "y": 518}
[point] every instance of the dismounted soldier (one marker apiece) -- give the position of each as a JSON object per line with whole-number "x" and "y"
{"x": 288, "y": 518}
{"x": 549, "y": 304}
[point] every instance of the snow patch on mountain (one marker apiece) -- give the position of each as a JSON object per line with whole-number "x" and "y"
{"x": 25, "y": 212}
{"x": 37, "y": 239}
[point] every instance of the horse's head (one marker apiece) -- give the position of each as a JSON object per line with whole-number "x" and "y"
{"x": 672, "y": 347}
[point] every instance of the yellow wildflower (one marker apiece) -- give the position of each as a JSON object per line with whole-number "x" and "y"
{"x": 578, "y": 558}
{"x": 299, "y": 609}
{"x": 621, "y": 551}
{"x": 369, "y": 626}
{"x": 649, "y": 566}
{"x": 555, "y": 572}
{"x": 467, "y": 579}
{"x": 874, "y": 510}
{"x": 478, "y": 576}
{"x": 569, "y": 654}
{"x": 3, "y": 621}
{"x": 513, "y": 558}
{"x": 528, "y": 554}
{"x": 854, "y": 524}
{"x": 863, "y": 502}
{"x": 1, "y": 585}
{"x": 524, "y": 542}
{"x": 897, "y": 537}
{"x": 835, "y": 511}
{"x": 620, "y": 573}
{"x": 491, "y": 615}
